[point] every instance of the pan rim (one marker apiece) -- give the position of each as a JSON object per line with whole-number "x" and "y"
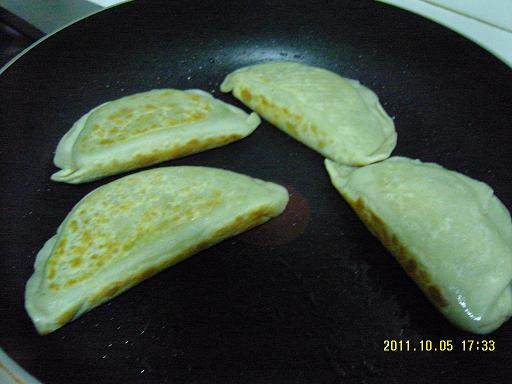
{"x": 42, "y": 39}
{"x": 496, "y": 54}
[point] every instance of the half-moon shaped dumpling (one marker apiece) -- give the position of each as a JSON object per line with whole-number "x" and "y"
{"x": 132, "y": 228}
{"x": 448, "y": 231}
{"x": 337, "y": 117}
{"x": 147, "y": 128}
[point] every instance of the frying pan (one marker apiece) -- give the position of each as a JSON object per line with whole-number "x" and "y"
{"x": 307, "y": 298}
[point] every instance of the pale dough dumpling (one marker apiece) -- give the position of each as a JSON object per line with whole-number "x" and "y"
{"x": 448, "y": 231}
{"x": 147, "y": 128}
{"x": 338, "y": 117}
{"x": 132, "y": 228}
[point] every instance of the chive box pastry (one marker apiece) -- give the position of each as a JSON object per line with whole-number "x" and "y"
{"x": 449, "y": 232}
{"x": 337, "y": 117}
{"x": 132, "y": 228}
{"x": 147, "y": 128}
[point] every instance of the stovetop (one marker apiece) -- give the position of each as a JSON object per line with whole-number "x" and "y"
{"x": 15, "y": 36}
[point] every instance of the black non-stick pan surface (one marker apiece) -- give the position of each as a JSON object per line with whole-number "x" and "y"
{"x": 310, "y": 297}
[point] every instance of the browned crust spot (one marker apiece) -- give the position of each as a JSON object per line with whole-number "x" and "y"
{"x": 51, "y": 273}
{"x": 404, "y": 256}
{"x": 75, "y": 262}
{"x": 106, "y": 141}
{"x": 246, "y": 95}
{"x": 68, "y": 315}
{"x": 277, "y": 115}
{"x": 291, "y": 128}
{"x": 73, "y": 225}
{"x": 194, "y": 97}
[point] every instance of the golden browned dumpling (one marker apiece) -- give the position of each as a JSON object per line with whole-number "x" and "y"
{"x": 132, "y": 228}
{"x": 147, "y": 128}
{"x": 448, "y": 231}
{"x": 335, "y": 116}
